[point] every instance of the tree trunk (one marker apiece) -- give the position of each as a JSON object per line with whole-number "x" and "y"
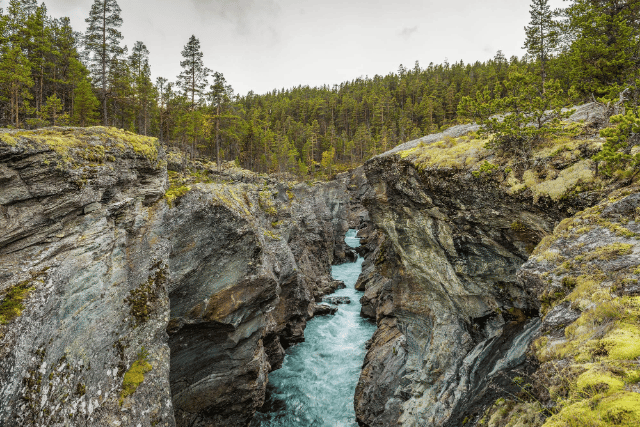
{"x": 218, "y": 137}
{"x": 104, "y": 63}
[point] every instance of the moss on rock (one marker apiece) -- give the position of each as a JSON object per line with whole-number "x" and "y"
{"x": 80, "y": 145}
{"x": 12, "y": 301}
{"x": 135, "y": 375}
{"x": 585, "y": 265}
{"x": 143, "y": 299}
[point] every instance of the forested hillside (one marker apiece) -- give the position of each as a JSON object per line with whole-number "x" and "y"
{"x": 51, "y": 74}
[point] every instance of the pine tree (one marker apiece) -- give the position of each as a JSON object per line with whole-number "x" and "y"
{"x": 530, "y": 114}
{"x": 52, "y": 109}
{"x": 193, "y": 78}
{"x": 602, "y": 58}
{"x": 220, "y": 96}
{"x": 102, "y": 39}
{"x": 542, "y": 34}
{"x": 66, "y": 70}
{"x": 85, "y": 104}
{"x": 193, "y": 81}
{"x": 328, "y": 161}
{"x": 615, "y": 155}
{"x": 15, "y": 81}
{"x": 139, "y": 63}
{"x": 161, "y": 101}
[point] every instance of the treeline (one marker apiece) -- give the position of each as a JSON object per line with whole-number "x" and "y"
{"x": 51, "y": 75}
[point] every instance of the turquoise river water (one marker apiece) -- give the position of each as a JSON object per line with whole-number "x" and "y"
{"x": 317, "y": 381}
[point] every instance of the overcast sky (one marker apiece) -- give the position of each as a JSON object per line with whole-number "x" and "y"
{"x": 260, "y": 45}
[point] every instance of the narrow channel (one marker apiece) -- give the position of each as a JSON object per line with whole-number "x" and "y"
{"x": 318, "y": 378}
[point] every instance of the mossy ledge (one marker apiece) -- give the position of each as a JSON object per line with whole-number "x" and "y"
{"x": 558, "y": 170}
{"x": 587, "y": 273}
{"x": 93, "y": 145}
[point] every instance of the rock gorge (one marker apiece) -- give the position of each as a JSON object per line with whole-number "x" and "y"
{"x": 128, "y": 302}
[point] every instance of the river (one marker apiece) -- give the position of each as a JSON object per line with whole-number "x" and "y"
{"x": 317, "y": 381}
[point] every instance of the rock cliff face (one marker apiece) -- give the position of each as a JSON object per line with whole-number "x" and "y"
{"x": 453, "y": 223}
{"x": 83, "y": 269}
{"x": 118, "y": 308}
{"x": 247, "y": 265}
{"x": 447, "y": 300}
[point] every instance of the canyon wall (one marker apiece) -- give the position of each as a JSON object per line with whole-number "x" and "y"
{"x": 126, "y": 304}
{"x": 83, "y": 279}
{"x": 134, "y": 295}
{"x": 452, "y": 223}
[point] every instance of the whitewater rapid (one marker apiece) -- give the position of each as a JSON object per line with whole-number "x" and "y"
{"x": 317, "y": 381}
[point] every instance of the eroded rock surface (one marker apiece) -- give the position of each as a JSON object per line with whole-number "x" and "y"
{"x": 83, "y": 276}
{"x": 248, "y": 263}
{"x": 450, "y": 227}
{"x": 100, "y": 277}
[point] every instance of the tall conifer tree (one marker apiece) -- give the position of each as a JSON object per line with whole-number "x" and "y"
{"x": 603, "y": 57}
{"x": 220, "y": 95}
{"x": 193, "y": 81}
{"x": 139, "y": 63}
{"x": 542, "y": 34}
{"x": 102, "y": 39}
{"x": 86, "y": 104}
{"x": 193, "y": 78}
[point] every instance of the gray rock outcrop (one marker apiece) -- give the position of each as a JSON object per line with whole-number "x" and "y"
{"x": 448, "y": 231}
{"x": 118, "y": 308}
{"x": 83, "y": 274}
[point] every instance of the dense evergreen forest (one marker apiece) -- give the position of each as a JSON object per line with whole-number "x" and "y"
{"x": 51, "y": 74}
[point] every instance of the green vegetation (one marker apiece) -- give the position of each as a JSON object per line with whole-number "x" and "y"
{"x": 590, "y": 374}
{"x": 12, "y": 300}
{"x": 585, "y": 50}
{"x": 265, "y": 200}
{"x": 486, "y": 168}
{"x": 11, "y": 305}
{"x": 609, "y": 252}
{"x": 174, "y": 193}
{"x": 616, "y": 153}
{"x": 135, "y": 375}
{"x": 77, "y": 146}
{"x": 532, "y": 112}
{"x": 142, "y": 299}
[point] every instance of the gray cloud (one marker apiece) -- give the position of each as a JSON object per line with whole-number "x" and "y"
{"x": 407, "y": 32}
{"x": 245, "y": 15}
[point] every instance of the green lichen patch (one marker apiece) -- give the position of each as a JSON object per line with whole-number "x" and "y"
{"x": 135, "y": 375}
{"x": 518, "y": 226}
{"x": 175, "y": 193}
{"x": 143, "y": 299}
{"x": 609, "y": 252}
{"x": 456, "y": 153}
{"x": 271, "y": 235}
{"x": 266, "y": 203}
{"x": 600, "y": 410}
{"x": 12, "y": 301}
